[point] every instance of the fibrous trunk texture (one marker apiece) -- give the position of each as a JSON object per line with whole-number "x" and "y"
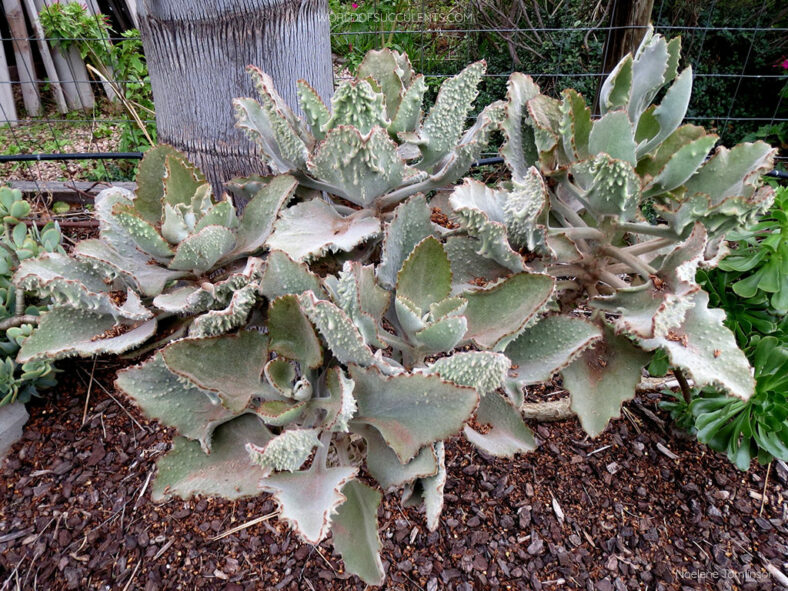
{"x": 197, "y": 52}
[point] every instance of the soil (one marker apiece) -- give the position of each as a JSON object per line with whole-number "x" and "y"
{"x": 618, "y": 512}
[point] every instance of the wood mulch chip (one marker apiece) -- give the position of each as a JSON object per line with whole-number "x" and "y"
{"x": 608, "y": 514}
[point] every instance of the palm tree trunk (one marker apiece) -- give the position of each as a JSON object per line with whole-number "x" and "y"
{"x": 197, "y": 51}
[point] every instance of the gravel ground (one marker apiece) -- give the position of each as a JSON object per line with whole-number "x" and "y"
{"x": 637, "y": 508}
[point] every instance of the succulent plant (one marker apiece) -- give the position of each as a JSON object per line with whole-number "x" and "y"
{"x": 372, "y": 149}
{"x": 352, "y": 370}
{"x": 20, "y": 381}
{"x": 295, "y": 358}
{"x": 577, "y": 206}
{"x": 170, "y": 250}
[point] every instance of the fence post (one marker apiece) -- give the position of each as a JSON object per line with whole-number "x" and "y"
{"x": 7, "y": 108}
{"x": 24, "y": 57}
{"x": 46, "y": 56}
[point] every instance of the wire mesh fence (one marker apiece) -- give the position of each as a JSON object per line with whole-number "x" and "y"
{"x": 737, "y": 49}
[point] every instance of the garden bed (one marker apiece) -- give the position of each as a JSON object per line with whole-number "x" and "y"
{"x": 617, "y": 512}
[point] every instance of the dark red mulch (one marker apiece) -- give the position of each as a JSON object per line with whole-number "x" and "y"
{"x": 73, "y": 515}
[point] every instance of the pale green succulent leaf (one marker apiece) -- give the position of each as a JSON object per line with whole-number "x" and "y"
{"x": 132, "y": 265}
{"x": 64, "y": 332}
{"x": 432, "y": 490}
{"x": 613, "y": 135}
{"x": 670, "y": 113}
{"x": 508, "y": 436}
{"x": 287, "y": 451}
{"x": 471, "y": 145}
{"x": 602, "y": 378}
{"x": 549, "y": 346}
{"x": 409, "y": 315}
{"x": 731, "y": 173}
{"x": 425, "y": 276}
{"x": 150, "y": 183}
{"x": 260, "y": 213}
{"x": 357, "y": 105}
{"x": 441, "y": 336}
{"x": 359, "y": 167}
{"x": 291, "y": 333}
{"x": 444, "y": 123}
{"x": 519, "y": 147}
{"x": 498, "y": 313}
{"x": 313, "y": 228}
{"x": 284, "y": 276}
{"x": 281, "y": 374}
{"x": 186, "y": 299}
{"x": 341, "y": 404}
{"x": 272, "y": 125}
{"x": 524, "y": 212}
{"x": 338, "y": 330}
{"x": 617, "y": 87}
{"x": 279, "y": 413}
{"x": 410, "y": 411}
{"x": 612, "y": 187}
{"x": 315, "y": 110}
{"x": 229, "y": 365}
{"x": 174, "y": 228}
{"x": 681, "y": 166}
{"x": 484, "y": 371}
{"x": 218, "y": 322}
{"x": 482, "y": 212}
{"x": 575, "y": 125}
{"x": 545, "y": 114}
{"x": 176, "y": 402}
{"x": 468, "y": 267}
{"x": 181, "y": 180}
{"x": 706, "y": 349}
{"x": 201, "y": 251}
{"x": 66, "y": 282}
{"x": 384, "y": 465}
{"x": 648, "y": 73}
{"x": 355, "y": 532}
{"x": 145, "y": 236}
{"x": 452, "y": 306}
{"x": 186, "y": 470}
{"x": 383, "y": 67}
{"x": 410, "y": 225}
{"x": 308, "y": 498}
{"x": 408, "y": 114}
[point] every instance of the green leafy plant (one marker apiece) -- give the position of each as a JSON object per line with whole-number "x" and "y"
{"x": 120, "y": 64}
{"x": 757, "y": 427}
{"x": 746, "y": 429}
{"x": 334, "y": 327}
{"x": 761, "y": 258}
{"x": 20, "y": 381}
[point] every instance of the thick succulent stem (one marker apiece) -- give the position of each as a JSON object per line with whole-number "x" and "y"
{"x": 553, "y": 410}
{"x": 14, "y": 321}
{"x": 648, "y": 229}
{"x": 641, "y": 267}
{"x": 612, "y": 280}
{"x": 686, "y": 391}
{"x": 650, "y": 246}
{"x": 585, "y": 232}
{"x": 20, "y": 301}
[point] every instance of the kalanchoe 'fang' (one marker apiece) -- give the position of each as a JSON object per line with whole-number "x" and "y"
{"x": 286, "y": 374}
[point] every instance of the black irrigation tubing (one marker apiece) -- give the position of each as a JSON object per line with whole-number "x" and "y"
{"x": 72, "y": 156}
